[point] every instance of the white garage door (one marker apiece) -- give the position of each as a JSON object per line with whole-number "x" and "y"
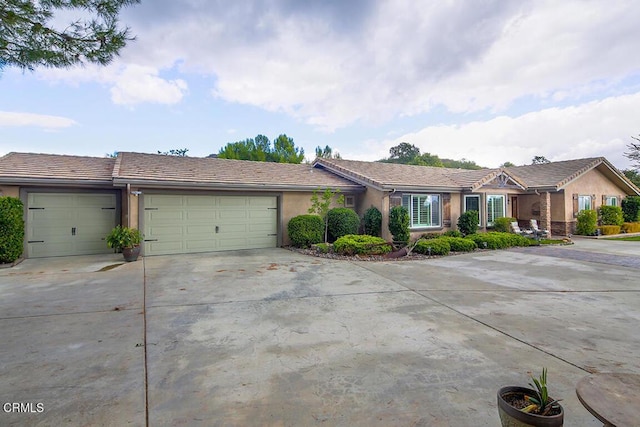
{"x": 60, "y": 224}
{"x": 188, "y": 223}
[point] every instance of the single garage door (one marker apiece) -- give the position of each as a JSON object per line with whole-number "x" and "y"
{"x": 60, "y": 224}
{"x": 195, "y": 223}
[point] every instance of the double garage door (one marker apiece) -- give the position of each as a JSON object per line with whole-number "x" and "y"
{"x": 196, "y": 223}
{"x": 60, "y": 224}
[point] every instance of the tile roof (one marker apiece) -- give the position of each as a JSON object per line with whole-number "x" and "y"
{"x": 157, "y": 169}
{"x": 392, "y": 175}
{"x": 554, "y": 174}
{"x": 55, "y": 167}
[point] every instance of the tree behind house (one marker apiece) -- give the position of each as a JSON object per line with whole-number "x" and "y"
{"x": 259, "y": 149}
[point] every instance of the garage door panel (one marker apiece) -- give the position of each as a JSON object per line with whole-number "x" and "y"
{"x": 164, "y": 215}
{"x": 199, "y": 202}
{"x": 200, "y": 215}
{"x": 232, "y": 201}
{"x": 241, "y": 222}
{"x": 266, "y": 202}
{"x": 233, "y": 214}
{"x": 51, "y": 200}
{"x": 60, "y": 224}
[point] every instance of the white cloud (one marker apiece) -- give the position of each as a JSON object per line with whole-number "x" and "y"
{"x": 138, "y": 84}
{"x": 130, "y": 84}
{"x": 597, "y": 128}
{"x": 47, "y": 122}
{"x": 397, "y": 58}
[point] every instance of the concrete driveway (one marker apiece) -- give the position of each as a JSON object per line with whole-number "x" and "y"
{"x": 272, "y": 337}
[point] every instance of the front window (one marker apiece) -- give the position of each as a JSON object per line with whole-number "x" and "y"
{"x": 495, "y": 208}
{"x": 424, "y": 209}
{"x": 584, "y": 202}
{"x": 611, "y": 201}
{"x": 472, "y": 203}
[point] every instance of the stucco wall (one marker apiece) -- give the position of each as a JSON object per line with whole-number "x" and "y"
{"x": 592, "y": 182}
{"x": 298, "y": 203}
{"x": 10, "y": 191}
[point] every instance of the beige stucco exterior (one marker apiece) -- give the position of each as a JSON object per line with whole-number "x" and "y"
{"x": 10, "y": 191}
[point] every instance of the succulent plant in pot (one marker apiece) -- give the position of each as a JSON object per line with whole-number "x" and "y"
{"x": 521, "y": 406}
{"x": 127, "y": 240}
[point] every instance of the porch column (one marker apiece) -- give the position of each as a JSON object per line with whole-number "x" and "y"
{"x": 545, "y": 211}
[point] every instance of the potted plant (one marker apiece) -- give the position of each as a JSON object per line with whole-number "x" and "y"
{"x": 520, "y": 406}
{"x": 127, "y": 240}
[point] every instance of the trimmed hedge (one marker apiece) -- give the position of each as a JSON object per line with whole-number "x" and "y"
{"x": 499, "y": 240}
{"x": 438, "y": 246}
{"x": 11, "y": 229}
{"x": 607, "y": 230}
{"x": 372, "y": 221}
{"x": 459, "y": 244}
{"x": 611, "y": 215}
{"x": 631, "y": 208}
{"x": 631, "y": 227}
{"x": 306, "y": 230}
{"x": 503, "y": 224}
{"x": 340, "y": 222}
{"x": 361, "y": 244}
{"x": 468, "y": 222}
{"x": 452, "y": 233}
{"x": 587, "y": 222}
{"x": 399, "y": 223}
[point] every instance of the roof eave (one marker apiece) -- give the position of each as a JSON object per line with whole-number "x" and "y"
{"x": 231, "y": 186}
{"x": 55, "y": 182}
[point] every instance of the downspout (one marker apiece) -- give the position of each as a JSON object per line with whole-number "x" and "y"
{"x": 128, "y": 205}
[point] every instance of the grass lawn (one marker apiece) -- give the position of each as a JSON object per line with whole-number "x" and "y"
{"x": 627, "y": 239}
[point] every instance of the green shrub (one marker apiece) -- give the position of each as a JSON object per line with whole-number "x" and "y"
{"x": 342, "y": 221}
{"x": 607, "y": 230}
{"x": 399, "y": 223}
{"x": 503, "y": 225}
{"x": 430, "y": 235}
{"x": 11, "y": 229}
{"x": 372, "y": 221}
{"x": 611, "y": 215}
{"x": 630, "y": 227}
{"x": 354, "y": 244}
{"x": 460, "y": 244}
{"x": 439, "y": 246}
{"x": 468, "y": 222}
{"x": 305, "y": 230}
{"x": 587, "y": 222}
{"x": 487, "y": 241}
{"x": 323, "y": 248}
{"x": 499, "y": 240}
{"x": 631, "y": 208}
{"x": 452, "y": 233}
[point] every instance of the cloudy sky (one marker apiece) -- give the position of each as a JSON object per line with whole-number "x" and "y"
{"x": 488, "y": 81}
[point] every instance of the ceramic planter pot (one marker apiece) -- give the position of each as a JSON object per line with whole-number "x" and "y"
{"x": 512, "y": 417}
{"x": 131, "y": 254}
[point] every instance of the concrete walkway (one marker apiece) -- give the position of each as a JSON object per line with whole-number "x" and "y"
{"x": 272, "y": 337}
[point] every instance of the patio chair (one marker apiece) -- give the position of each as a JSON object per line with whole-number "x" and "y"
{"x": 536, "y": 230}
{"x": 516, "y": 229}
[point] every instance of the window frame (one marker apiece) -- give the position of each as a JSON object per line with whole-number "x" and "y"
{"x": 474, "y": 196}
{"x": 582, "y": 205}
{"x": 410, "y": 197}
{"x": 491, "y": 212}
{"x": 609, "y": 199}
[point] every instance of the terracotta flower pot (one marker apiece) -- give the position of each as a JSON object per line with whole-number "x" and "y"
{"x": 513, "y": 417}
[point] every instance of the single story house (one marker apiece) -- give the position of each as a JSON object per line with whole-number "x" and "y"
{"x": 190, "y": 204}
